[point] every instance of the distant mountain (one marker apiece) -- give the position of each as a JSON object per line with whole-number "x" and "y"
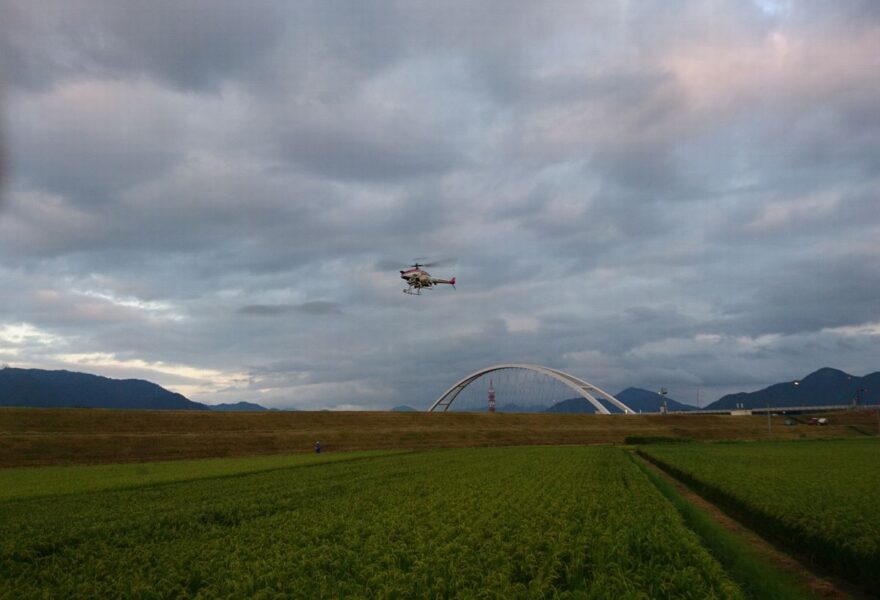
{"x": 403, "y": 408}
{"x": 826, "y": 386}
{"x": 516, "y": 408}
{"x": 637, "y": 399}
{"x": 237, "y": 407}
{"x": 66, "y": 389}
{"x": 641, "y": 400}
{"x": 572, "y": 405}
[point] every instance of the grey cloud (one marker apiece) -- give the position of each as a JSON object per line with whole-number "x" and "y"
{"x": 624, "y": 201}
{"x": 365, "y": 151}
{"x": 90, "y": 142}
{"x": 314, "y": 307}
{"x": 801, "y": 219}
{"x": 320, "y": 307}
{"x": 3, "y": 149}
{"x": 849, "y": 11}
{"x": 265, "y": 310}
{"x": 812, "y": 295}
{"x": 191, "y": 44}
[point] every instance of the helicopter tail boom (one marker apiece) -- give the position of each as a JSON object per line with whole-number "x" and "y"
{"x": 449, "y": 281}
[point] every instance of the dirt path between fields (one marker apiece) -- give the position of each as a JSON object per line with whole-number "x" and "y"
{"x": 821, "y": 585}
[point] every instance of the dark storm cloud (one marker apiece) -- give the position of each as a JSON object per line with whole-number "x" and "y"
{"x": 192, "y": 44}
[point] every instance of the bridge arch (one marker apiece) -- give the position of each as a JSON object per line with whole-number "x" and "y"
{"x": 586, "y": 390}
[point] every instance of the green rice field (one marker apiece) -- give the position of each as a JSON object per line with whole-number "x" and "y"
{"x": 530, "y": 522}
{"x": 513, "y": 522}
{"x": 821, "y": 499}
{"x": 32, "y": 482}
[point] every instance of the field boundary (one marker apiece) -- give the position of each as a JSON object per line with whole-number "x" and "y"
{"x": 820, "y": 554}
{"x": 754, "y": 564}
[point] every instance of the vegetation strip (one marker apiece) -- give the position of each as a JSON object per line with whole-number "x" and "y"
{"x": 32, "y": 482}
{"x": 816, "y": 499}
{"x": 755, "y": 565}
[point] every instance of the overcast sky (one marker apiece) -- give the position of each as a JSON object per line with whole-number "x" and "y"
{"x": 214, "y": 195}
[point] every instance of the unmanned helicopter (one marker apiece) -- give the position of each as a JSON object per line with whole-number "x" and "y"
{"x": 417, "y": 279}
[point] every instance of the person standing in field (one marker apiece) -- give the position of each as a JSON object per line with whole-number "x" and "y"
{"x": 317, "y": 447}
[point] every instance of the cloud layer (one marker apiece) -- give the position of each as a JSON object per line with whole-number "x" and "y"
{"x": 208, "y": 194}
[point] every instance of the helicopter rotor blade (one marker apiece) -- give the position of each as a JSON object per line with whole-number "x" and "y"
{"x": 440, "y": 262}
{"x": 421, "y": 261}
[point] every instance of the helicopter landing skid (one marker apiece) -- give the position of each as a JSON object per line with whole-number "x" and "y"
{"x": 417, "y": 292}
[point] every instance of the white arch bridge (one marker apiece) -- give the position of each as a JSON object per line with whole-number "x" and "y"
{"x": 586, "y": 390}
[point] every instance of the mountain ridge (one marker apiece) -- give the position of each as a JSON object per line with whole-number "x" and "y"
{"x": 238, "y": 407}
{"x": 826, "y": 386}
{"x": 43, "y": 388}
{"x": 40, "y": 388}
{"x": 638, "y": 399}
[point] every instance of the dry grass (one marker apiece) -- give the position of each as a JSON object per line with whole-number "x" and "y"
{"x": 85, "y": 436}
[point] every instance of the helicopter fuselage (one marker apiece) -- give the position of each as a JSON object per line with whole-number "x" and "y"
{"x": 418, "y": 278}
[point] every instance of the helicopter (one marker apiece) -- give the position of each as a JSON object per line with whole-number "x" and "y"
{"x": 418, "y": 279}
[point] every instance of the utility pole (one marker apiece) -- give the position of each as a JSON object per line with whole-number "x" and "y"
{"x": 769, "y": 422}
{"x": 858, "y": 399}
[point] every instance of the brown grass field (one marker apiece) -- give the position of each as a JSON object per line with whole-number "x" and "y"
{"x": 32, "y": 437}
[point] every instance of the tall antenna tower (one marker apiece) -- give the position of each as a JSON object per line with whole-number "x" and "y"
{"x": 491, "y": 397}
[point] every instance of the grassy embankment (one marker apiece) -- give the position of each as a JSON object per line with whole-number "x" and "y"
{"x": 33, "y": 437}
